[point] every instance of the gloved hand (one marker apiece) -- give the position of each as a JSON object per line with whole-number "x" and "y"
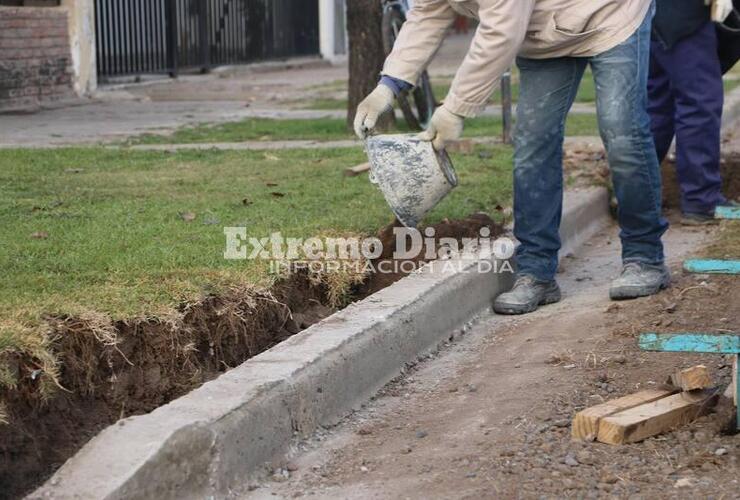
{"x": 445, "y": 126}
{"x": 720, "y": 9}
{"x": 378, "y": 102}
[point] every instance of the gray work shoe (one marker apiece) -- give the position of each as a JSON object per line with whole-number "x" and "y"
{"x": 705, "y": 219}
{"x": 689, "y": 219}
{"x": 639, "y": 280}
{"x": 527, "y": 295}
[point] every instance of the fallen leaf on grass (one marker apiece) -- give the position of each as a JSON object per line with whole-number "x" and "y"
{"x": 270, "y": 157}
{"x": 271, "y": 184}
{"x": 40, "y": 235}
{"x": 187, "y": 216}
{"x": 277, "y": 194}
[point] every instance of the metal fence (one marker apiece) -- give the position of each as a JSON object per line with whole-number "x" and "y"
{"x": 136, "y": 37}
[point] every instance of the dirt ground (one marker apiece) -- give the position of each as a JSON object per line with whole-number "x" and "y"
{"x": 457, "y": 229}
{"x": 489, "y": 415}
{"x": 730, "y": 167}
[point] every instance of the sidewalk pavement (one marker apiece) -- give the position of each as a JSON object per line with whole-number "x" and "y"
{"x": 226, "y": 94}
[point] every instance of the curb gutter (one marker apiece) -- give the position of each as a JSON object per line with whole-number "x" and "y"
{"x": 210, "y": 440}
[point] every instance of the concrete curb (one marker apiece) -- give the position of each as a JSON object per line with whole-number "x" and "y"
{"x": 585, "y": 213}
{"x": 207, "y": 442}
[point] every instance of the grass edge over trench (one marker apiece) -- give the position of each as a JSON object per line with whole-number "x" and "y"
{"x": 100, "y": 346}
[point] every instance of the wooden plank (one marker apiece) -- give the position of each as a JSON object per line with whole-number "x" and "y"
{"x": 586, "y": 423}
{"x": 736, "y": 384}
{"x": 357, "y": 169}
{"x": 691, "y": 379}
{"x": 712, "y": 266}
{"x": 690, "y": 342}
{"x": 650, "y": 419}
{"x": 733, "y": 392}
{"x": 727, "y": 213}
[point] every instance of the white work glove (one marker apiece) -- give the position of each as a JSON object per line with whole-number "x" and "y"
{"x": 378, "y": 102}
{"x": 720, "y": 9}
{"x": 444, "y": 127}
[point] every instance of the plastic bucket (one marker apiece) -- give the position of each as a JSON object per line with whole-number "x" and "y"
{"x": 411, "y": 175}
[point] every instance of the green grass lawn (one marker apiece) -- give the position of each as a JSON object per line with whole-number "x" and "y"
{"x": 109, "y": 231}
{"x": 324, "y": 129}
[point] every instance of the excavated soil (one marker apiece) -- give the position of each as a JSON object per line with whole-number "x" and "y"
{"x": 457, "y": 229}
{"x": 156, "y": 360}
{"x": 586, "y": 165}
{"x": 730, "y": 168}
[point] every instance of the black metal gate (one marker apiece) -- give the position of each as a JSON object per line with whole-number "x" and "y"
{"x": 136, "y": 37}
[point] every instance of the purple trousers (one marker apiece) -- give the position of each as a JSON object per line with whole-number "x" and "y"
{"x": 685, "y": 101}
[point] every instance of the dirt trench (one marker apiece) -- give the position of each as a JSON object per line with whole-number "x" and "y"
{"x": 730, "y": 172}
{"x": 114, "y": 370}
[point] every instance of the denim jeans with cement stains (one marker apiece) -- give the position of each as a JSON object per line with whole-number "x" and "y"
{"x": 548, "y": 88}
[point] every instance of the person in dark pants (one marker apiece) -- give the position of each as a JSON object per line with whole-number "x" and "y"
{"x": 685, "y": 100}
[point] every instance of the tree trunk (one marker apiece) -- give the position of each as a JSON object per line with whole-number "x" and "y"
{"x": 366, "y": 54}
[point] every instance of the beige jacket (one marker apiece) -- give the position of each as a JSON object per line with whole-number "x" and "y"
{"x": 531, "y": 28}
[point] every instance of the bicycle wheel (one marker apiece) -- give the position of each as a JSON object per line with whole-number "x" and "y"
{"x": 393, "y": 19}
{"x": 417, "y": 104}
{"x": 424, "y": 100}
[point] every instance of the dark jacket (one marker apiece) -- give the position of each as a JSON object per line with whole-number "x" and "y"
{"x": 728, "y": 39}
{"x": 677, "y": 19}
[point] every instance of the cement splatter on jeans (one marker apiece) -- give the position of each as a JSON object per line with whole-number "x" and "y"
{"x": 548, "y": 88}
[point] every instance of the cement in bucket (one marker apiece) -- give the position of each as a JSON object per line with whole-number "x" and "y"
{"x": 411, "y": 175}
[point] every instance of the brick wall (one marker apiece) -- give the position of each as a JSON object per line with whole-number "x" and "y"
{"x": 35, "y": 58}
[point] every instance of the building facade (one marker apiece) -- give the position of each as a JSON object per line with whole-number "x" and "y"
{"x": 51, "y": 49}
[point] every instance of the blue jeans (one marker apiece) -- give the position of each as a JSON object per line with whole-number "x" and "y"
{"x": 548, "y": 88}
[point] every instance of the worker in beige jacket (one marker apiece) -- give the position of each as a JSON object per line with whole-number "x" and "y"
{"x": 553, "y": 41}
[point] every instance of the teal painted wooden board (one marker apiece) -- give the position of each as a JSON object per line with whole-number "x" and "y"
{"x": 690, "y": 342}
{"x": 712, "y": 266}
{"x": 727, "y": 213}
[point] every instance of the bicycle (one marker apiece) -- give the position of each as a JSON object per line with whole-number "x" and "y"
{"x": 417, "y": 104}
